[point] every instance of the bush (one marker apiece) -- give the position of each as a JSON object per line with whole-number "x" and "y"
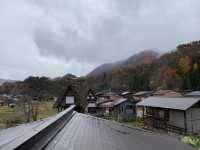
{"x": 192, "y": 140}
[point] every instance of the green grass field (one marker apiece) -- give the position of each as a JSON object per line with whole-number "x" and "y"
{"x": 13, "y": 116}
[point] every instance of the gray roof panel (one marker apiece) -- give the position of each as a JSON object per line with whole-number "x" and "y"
{"x": 193, "y": 93}
{"x": 84, "y": 132}
{"x": 180, "y": 103}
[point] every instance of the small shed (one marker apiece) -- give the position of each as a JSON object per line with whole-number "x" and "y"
{"x": 124, "y": 109}
{"x": 174, "y": 114}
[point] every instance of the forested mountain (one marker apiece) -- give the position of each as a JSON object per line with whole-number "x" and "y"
{"x": 141, "y": 58}
{"x": 177, "y": 69}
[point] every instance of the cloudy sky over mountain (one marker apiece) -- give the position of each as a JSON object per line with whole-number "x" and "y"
{"x": 52, "y": 38}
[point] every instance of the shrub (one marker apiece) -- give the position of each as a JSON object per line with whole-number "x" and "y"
{"x": 192, "y": 140}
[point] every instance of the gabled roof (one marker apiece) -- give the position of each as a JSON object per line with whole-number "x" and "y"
{"x": 182, "y": 103}
{"x": 70, "y": 90}
{"x": 193, "y": 93}
{"x": 126, "y": 93}
{"x": 91, "y": 96}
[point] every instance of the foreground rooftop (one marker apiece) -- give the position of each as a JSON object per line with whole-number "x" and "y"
{"x": 84, "y": 132}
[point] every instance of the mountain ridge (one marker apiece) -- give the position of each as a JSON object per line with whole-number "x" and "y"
{"x": 143, "y": 57}
{"x": 2, "y": 81}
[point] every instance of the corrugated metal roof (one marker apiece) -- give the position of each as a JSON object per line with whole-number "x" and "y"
{"x": 193, "y": 93}
{"x": 84, "y": 132}
{"x": 182, "y": 103}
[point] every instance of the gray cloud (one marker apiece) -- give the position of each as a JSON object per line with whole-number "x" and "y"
{"x": 46, "y": 37}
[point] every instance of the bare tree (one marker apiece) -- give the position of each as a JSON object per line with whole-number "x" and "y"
{"x": 30, "y": 108}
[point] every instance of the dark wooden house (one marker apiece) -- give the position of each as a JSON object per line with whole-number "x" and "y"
{"x": 124, "y": 109}
{"x": 91, "y": 102}
{"x": 70, "y": 97}
{"x": 180, "y": 114}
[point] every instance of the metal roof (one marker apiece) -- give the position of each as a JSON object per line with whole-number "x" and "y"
{"x": 126, "y": 92}
{"x": 84, "y": 132}
{"x": 193, "y": 93}
{"x": 182, "y": 103}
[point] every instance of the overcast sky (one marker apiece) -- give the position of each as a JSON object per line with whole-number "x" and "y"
{"x": 55, "y": 37}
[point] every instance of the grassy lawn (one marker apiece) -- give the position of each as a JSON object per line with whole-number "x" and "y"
{"x": 46, "y": 110}
{"x": 13, "y": 116}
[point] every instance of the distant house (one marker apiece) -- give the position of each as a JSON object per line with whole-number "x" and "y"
{"x": 104, "y": 95}
{"x": 124, "y": 109}
{"x": 174, "y": 114}
{"x": 105, "y": 102}
{"x": 105, "y": 108}
{"x": 69, "y": 98}
{"x": 127, "y": 94}
{"x": 193, "y": 94}
{"x": 142, "y": 94}
{"x": 167, "y": 93}
{"x": 91, "y": 102}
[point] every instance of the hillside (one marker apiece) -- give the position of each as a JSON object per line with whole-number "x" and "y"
{"x": 177, "y": 69}
{"x": 6, "y": 80}
{"x": 141, "y": 58}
